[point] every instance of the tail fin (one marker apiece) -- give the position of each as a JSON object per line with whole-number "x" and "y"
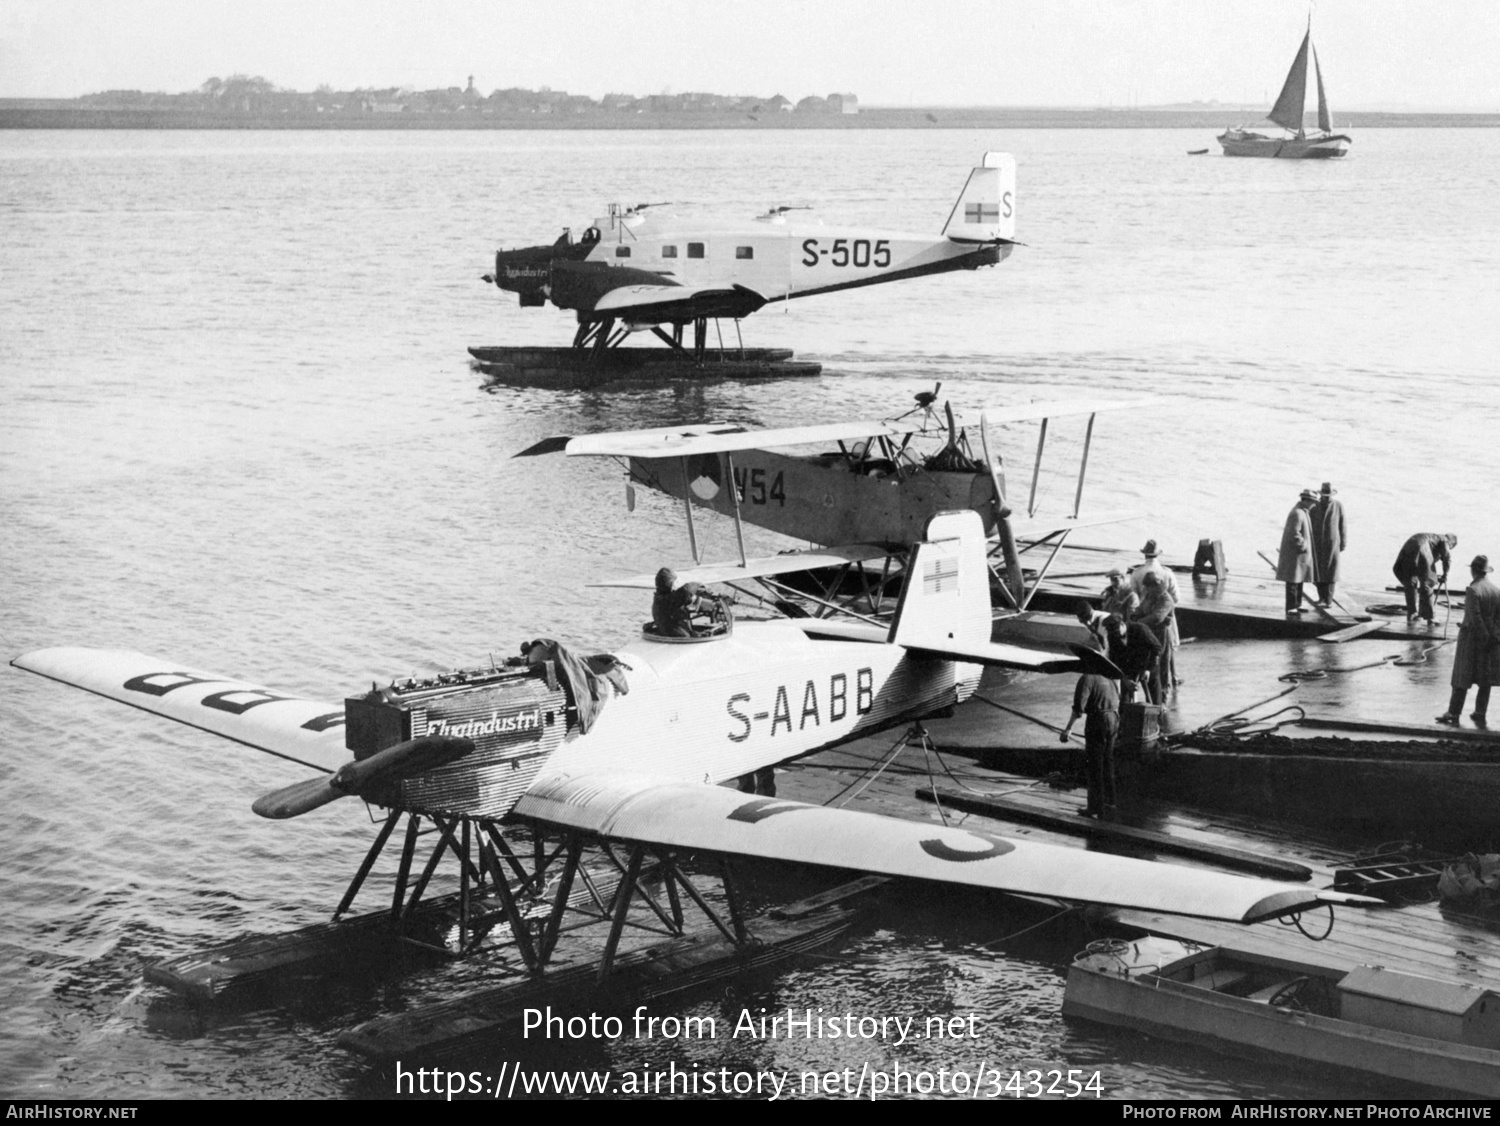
{"x": 986, "y": 208}
{"x": 946, "y": 600}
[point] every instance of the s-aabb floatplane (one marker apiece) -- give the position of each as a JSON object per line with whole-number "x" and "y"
{"x": 862, "y": 498}
{"x": 516, "y": 770}
{"x": 638, "y": 269}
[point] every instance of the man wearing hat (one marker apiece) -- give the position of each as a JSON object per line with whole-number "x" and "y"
{"x": 1329, "y": 538}
{"x": 1119, "y": 597}
{"x": 1171, "y": 638}
{"x": 1416, "y": 569}
{"x": 1295, "y": 565}
{"x": 1476, "y": 660}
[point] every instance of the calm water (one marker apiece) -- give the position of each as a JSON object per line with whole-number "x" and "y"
{"x": 240, "y": 430}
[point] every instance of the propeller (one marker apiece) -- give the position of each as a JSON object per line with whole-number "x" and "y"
{"x": 366, "y": 778}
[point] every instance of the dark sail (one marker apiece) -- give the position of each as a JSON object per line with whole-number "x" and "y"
{"x": 1325, "y": 119}
{"x": 1288, "y": 110}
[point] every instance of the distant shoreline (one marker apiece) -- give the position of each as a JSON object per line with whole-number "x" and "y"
{"x": 19, "y": 113}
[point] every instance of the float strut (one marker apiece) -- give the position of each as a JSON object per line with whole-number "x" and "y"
{"x": 369, "y": 862}
{"x": 560, "y": 903}
{"x": 404, "y": 871}
{"x": 621, "y": 910}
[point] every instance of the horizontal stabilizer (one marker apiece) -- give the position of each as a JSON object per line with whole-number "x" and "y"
{"x": 289, "y": 727}
{"x": 689, "y": 815}
{"x": 1003, "y": 656}
{"x": 787, "y": 563}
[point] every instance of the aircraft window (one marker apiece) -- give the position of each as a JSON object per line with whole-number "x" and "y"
{"x": 669, "y": 252}
{"x": 622, "y": 252}
{"x": 744, "y": 252}
{"x": 695, "y": 250}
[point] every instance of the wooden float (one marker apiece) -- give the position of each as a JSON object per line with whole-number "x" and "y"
{"x": 583, "y": 368}
{"x": 467, "y": 1025}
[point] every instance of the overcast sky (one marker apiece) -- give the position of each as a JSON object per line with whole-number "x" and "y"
{"x": 1421, "y": 54}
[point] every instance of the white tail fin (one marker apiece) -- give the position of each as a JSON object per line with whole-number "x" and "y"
{"x": 946, "y": 600}
{"x": 986, "y": 208}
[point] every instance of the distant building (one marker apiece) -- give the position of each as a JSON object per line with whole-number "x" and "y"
{"x": 779, "y": 103}
{"x": 844, "y": 103}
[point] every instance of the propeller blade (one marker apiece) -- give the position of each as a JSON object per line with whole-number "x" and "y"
{"x": 365, "y": 777}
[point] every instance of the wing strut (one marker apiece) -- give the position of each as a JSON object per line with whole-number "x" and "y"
{"x": 1014, "y": 586}
{"x": 687, "y": 503}
{"x": 734, "y": 491}
{"x": 1036, "y": 471}
{"x": 1083, "y": 465}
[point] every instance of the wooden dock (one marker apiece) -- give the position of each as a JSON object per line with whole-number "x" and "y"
{"x": 1249, "y": 602}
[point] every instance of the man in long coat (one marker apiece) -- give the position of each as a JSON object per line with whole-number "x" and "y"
{"x": 1329, "y": 538}
{"x": 1476, "y": 660}
{"x": 1416, "y": 569}
{"x": 1295, "y": 565}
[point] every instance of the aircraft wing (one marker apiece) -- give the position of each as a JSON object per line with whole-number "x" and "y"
{"x": 784, "y": 564}
{"x": 651, "y": 304}
{"x": 708, "y": 438}
{"x": 693, "y": 815}
{"x": 1057, "y": 408}
{"x": 303, "y": 731}
{"x": 1040, "y": 527}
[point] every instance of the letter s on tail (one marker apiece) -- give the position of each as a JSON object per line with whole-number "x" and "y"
{"x": 986, "y": 208}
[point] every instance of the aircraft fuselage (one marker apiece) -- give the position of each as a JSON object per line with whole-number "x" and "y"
{"x": 717, "y": 709}
{"x": 771, "y": 257}
{"x": 826, "y": 499}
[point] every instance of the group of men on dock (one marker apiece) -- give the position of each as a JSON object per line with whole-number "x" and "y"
{"x": 1315, "y": 536}
{"x": 1311, "y": 543}
{"x": 1136, "y": 628}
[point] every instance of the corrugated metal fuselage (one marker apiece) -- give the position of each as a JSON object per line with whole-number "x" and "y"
{"x": 779, "y": 260}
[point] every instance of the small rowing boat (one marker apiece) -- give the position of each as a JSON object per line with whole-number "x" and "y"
{"x": 1397, "y": 1026}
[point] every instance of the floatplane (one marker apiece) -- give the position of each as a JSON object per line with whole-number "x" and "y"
{"x": 516, "y": 768}
{"x": 637, "y": 268}
{"x": 863, "y": 498}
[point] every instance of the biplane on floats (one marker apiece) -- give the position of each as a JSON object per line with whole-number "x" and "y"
{"x": 863, "y": 498}
{"x": 637, "y": 268}
{"x": 557, "y": 751}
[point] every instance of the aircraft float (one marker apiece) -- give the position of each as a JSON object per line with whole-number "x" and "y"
{"x": 863, "y": 502}
{"x": 637, "y": 268}
{"x": 518, "y": 767}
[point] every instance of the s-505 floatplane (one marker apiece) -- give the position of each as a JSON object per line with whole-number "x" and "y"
{"x": 637, "y": 268}
{"x": 628, "y": 751}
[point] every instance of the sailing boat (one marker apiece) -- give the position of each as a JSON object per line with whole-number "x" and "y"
{"x": 1288, "y": 113}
